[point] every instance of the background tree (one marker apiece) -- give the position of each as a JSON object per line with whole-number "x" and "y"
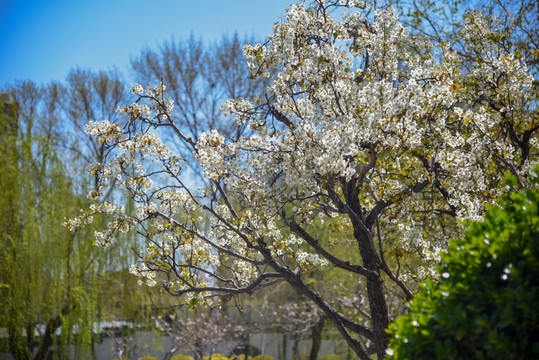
{"x": 484, "y": 306}
{"x": 40, "y": 288}
{"x": 199, "y": 78}
{"x": 53, "y": 281}
{"x": 293, "y": 316}
{"x": 201, "y": 332}
{"x": 54, "y": 117}
{"x": 362, "y": 124}
{"x": 86, "y": 97}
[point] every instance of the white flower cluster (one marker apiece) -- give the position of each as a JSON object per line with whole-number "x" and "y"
{"x": 157, "y": 94}
{"x": 415, "y": 112}
{"x": 304, "y": 258}
{"x": 147, "y": 276}
{"x": 106, "y": 130}
{"x": 119, "y": 222}
{"x": 351, "y": 111}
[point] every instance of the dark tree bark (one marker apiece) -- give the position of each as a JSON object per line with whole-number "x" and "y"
{"x": 16, "y": 345}
{"x": 52, "y": 325}
{"x": 285, "y": 345}
{"x": 375, "y": 287}
{"x": 316, "y": 334}
{"x": 47, "y": 339}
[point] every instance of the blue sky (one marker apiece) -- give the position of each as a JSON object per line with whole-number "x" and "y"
{"x": 42, "y": 40}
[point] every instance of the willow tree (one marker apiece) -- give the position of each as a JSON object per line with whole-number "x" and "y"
{"x": 43, "y": 266}
{"x": 52, "y": 282}
{"x": 391, "y": 138}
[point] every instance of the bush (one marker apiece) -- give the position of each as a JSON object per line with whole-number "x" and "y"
{"x": 486, "y": 305}
{"x": 147, "y": 357}
{"x": 331, "y": 357}
{"x": 240, "y": 357}
{"x": 216, "y": 357}
{"x": 263, "y": 357}
{"x": 182, "y": 357}
{"x": 245, "y": 349}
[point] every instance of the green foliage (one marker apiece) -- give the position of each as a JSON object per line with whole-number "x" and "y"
{"x": 182, "y": 357}
{"x": 216, "y": 357}
{"x": 51, "y": 279}
{"x": 44, "y": 272}
{"x": 147, "y": 357}
{"x": 331, "y": 357}
{"x": 485, "y": 306}
{"x": 263, "y": 357}
{"x": 242, "y": 357}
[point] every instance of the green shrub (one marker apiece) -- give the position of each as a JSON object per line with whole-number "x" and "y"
{"x": 301, "y": 357}
{"x": 263, "y": 357}
{"x": 241, "y": 357}
{"x": 487, "y": 303}
{"x": 147, "y": 357}
{"x": 216, "y": 357}
{"x": 331, "y": 357}
{"x": 182, "y": 357}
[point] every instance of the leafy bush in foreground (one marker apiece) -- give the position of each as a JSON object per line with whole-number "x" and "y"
{"x": 485, "y": 307}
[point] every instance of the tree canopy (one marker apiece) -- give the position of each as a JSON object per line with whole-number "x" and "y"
{"x": 386, "y": 138}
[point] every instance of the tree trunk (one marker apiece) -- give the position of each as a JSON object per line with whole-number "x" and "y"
{"x": 47, "y": 339}
{"x": 375, "y": 289}
{"x": 285, "y": 345}
{"x": 198, "y": 351}
{"x": 295, "y": 347}
{"x": 317, "y": 338}
{"x": 93, "y": 353}
{"x": 17, "y": 346}
{"x": 30, "y": 337}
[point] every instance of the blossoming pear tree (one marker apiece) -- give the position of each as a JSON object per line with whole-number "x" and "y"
{"x": 389, "y": 141}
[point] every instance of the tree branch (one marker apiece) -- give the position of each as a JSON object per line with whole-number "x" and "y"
{"x": 298, "y": 230}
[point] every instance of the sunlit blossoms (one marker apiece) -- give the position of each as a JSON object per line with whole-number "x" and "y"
{"x": 363, "y": 139}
